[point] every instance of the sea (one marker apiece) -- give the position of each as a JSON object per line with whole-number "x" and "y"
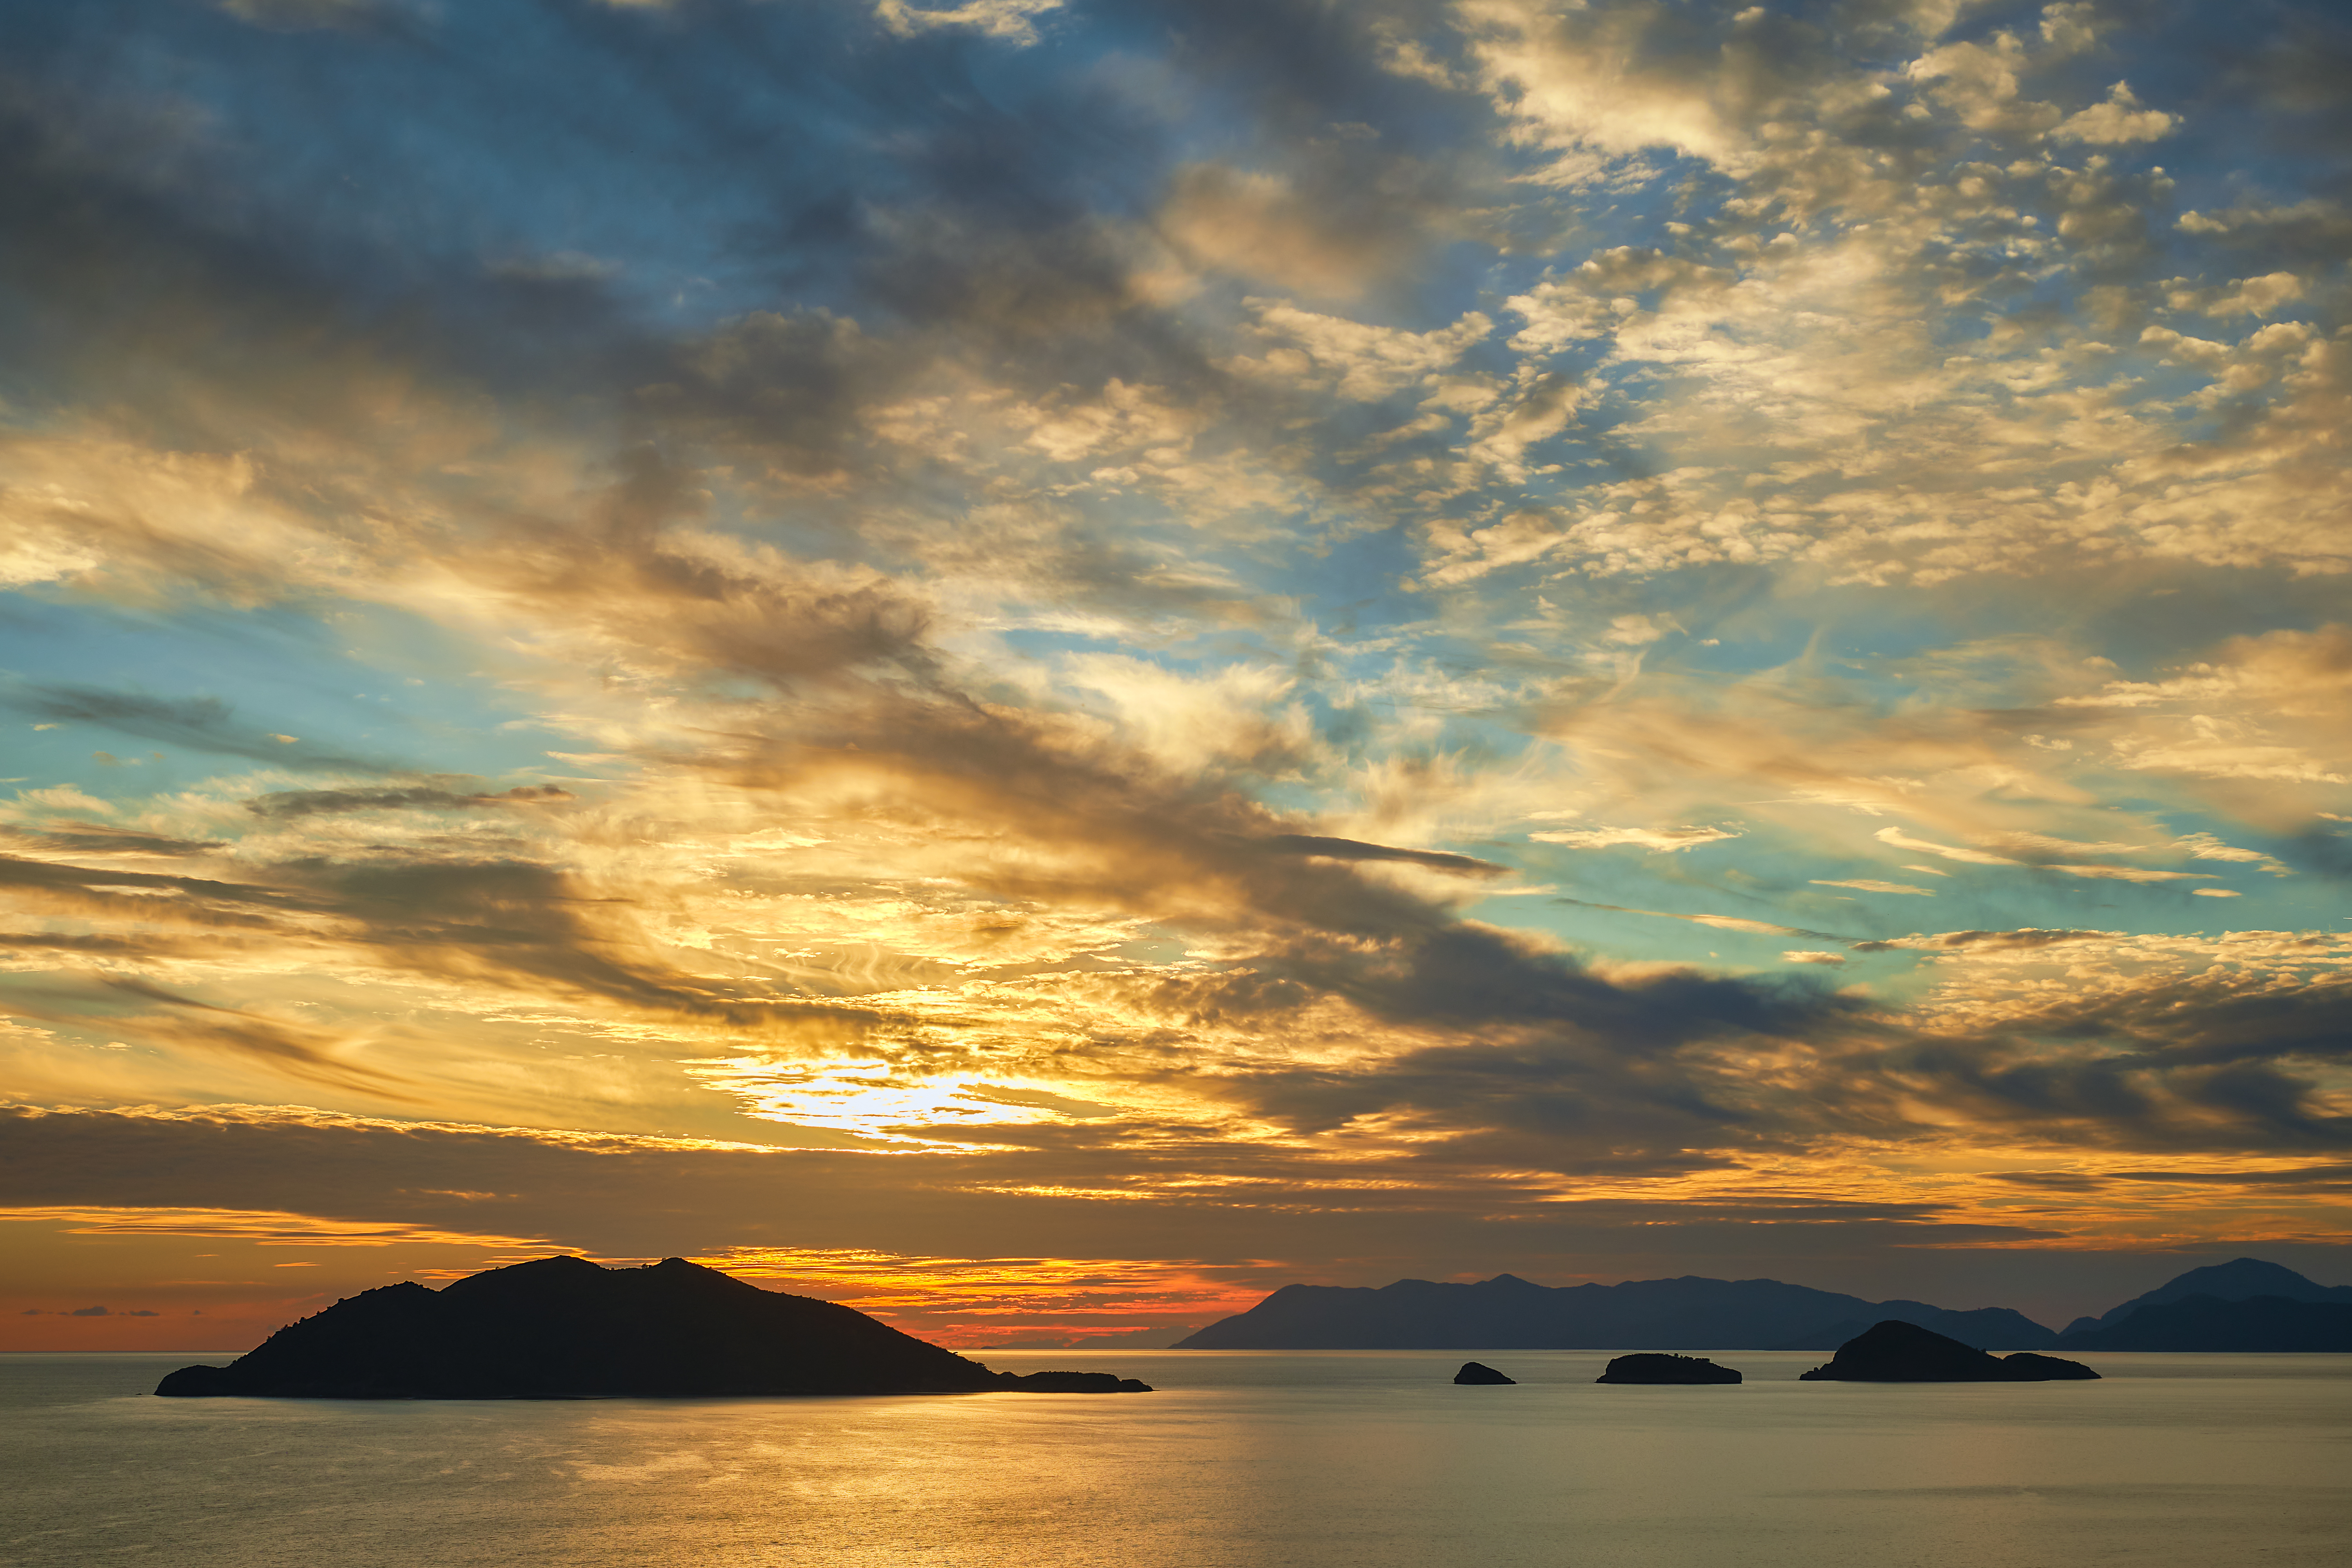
{"x": 1247, "y": 1459}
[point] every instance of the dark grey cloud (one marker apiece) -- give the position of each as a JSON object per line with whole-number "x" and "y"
{"x": 2051, "y": 1181}
{"x": 2319, "y": 1176}
{"x": 2214, "y": 1021}
{"x": 2202, "y": 1091}
{"x": 315, "y": 1057}
{"x": 1355, "y": 849}
{"x": 204, "y": 724}
{"x": 517, "y": 924}
{"x": 622, "y": 1198}
{"x": 791, "y": 387}
{"x": 713, "y": 619}
{"x": 2325, "y": 852}
{"x": 282, "y": 804}
{"x": 1984, "y": 940}
{"x": 221, "y": 903}
{"x": 99, "y": 838}
{"x": 64, "y": 945}
{"x": 527, "y": 927}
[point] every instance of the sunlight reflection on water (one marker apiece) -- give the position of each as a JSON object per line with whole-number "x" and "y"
{"x": 1244, "y": 1458}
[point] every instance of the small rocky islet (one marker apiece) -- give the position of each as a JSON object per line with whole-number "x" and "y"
{"x": 565, "y": 1328}
{"x": 1890, "y": 1352}
{"x": 1661, "y": 1367}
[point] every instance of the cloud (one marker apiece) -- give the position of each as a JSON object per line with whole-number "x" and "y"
{"x": 1901, "y": 840}
{"x": 1616, "y": 80}
{"x": 301, "y": 1052}
{"x": 268, "y": 1228}
{"x": 1016, "y": 21}
{"x": 1985, "y": 941}
{"x": 1227, "y": 1209}
{"x": 2127, "y": 873}
{"x": 204, "y": 724}
{"x": 72, "y": 837}
{"x": 1720, "y": 922}
{"x": 1360, "y": 363}
{"x": 2258, "y": 710}
{"x": 283, "y": 804}
{"x": 1665, "y": 840}
{"x": 2263, "y": 296}
{"x": 2296, "y": 228}
{"x": 1341, "y": 218}
{"x": 2120, "y": 118}
{"x": 1350, "y": 849}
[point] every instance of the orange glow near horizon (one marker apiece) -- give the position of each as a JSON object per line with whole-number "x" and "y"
{"x": 969, "y": 1303}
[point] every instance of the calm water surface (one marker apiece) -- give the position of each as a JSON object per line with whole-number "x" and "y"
{"x": 1364, "y": 1458}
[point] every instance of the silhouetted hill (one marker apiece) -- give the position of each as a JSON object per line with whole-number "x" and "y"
{"x": 1978, "y": 1326}
{"x": 1510, "y": 1313}
{"x": 563, "y": 1326}
{"x": 1897, "y": 1352}
{"x": 2240, "y": 1280}
{"x": 2210, "y": 1323}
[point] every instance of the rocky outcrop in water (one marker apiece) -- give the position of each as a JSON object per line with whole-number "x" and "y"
{"x": 1479, "y": 1372}
{"x": 1895, "y": 1351}
{"x": 1650, "y": 1366}
{"x": 563, "y": 1327}
{"x": 1069, "y": 1383}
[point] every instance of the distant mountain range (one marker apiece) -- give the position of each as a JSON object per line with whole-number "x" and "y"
{"x": 2210, "y": 1323}
{"x": 2240, "y": 1280}
{"x": 1510, "y": 1313}
{"x": 2246, "y": 1304}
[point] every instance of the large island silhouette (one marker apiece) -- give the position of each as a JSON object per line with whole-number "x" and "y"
{"x": 564, "y": 1327}
{"x": 1897, "y": 1352}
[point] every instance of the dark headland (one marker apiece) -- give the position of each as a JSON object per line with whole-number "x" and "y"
{"x": 564, "y": 1327}
{"x": 1478, "y": 1372}
{"x": 1896, "y": 1351}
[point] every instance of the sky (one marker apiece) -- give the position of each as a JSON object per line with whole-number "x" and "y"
{"x": 1042, "y": 664}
